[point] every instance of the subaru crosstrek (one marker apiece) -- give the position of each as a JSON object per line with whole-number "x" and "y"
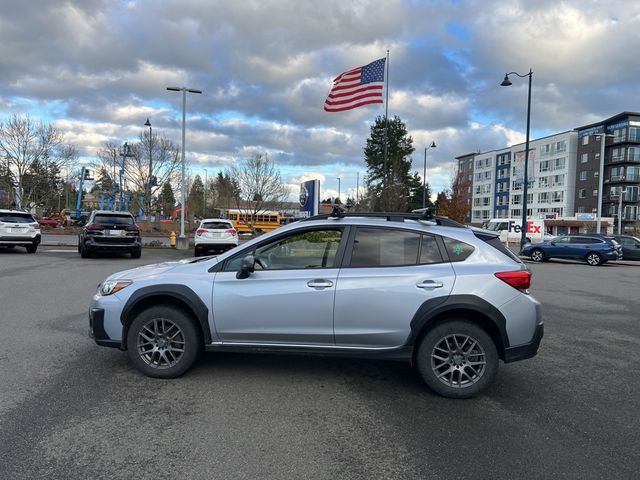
{"x": 448, "y": 299}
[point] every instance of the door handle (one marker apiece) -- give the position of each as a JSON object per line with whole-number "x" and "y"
{"x": 430, "y": 284}
{"x": 319, "y": 283}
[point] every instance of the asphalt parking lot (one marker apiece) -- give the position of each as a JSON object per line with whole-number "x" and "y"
{"x": 70, "y": 409}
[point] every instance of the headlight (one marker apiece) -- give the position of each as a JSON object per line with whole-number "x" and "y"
{"x": 112, "y": 286}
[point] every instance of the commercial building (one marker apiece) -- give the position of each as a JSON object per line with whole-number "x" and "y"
{"x": 620, "y": 166}
{"x": 563, "y": 178}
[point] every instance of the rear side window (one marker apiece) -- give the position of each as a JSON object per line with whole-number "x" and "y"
{"x": 498, "y": 245}
{"x": 216, "y": 225}
{"x": 17, "y": 218}
{"x": 429, "y": 251}
{"x": 458, "y": 251}
{"x": 113, "y": 220}
{"x": 379, "y": 247}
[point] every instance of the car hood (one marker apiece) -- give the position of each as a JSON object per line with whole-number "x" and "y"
{"x": 157, "y": 268}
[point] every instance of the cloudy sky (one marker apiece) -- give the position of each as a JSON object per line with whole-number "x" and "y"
{"x": 97, "y": 69}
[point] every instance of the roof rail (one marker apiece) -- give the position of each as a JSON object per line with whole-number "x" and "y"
{"x": 339, "y": 213}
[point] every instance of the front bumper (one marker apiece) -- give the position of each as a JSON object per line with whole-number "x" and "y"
{"x": 97, "y": 331}
{"x": 528, "y": 350}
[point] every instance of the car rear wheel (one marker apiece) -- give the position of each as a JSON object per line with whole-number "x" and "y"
{"x": 537, "y": 255}
{"x": 163, "y": 342}
{"x": 457, "y": 359}
{"x": 136, "y": 253}
{"x": 594, "y": 259}
{"x": 84, "y": 253}
{"x": 32, "y": 248}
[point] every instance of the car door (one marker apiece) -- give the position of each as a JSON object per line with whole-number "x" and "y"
{"x": 630, "y": 248}
{"x": 288, "y": 299}
{"x": 558, "y": 248}
{"x": 386, "y": 276}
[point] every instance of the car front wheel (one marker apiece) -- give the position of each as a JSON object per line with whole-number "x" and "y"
{"x": 457, "y": 359}
{"x": 594, "y": 259}
{"x": 163, "y": 342}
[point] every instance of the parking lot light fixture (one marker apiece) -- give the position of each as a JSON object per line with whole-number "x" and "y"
{"x": 183, "y": 243}
{"x": 506, "y": 83}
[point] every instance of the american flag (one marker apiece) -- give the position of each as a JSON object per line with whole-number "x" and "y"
{"x": 357, "y": 87}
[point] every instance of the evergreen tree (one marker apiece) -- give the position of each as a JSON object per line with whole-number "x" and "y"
{"x": 167, "y": 199}
{"x": 196, "y": 197}
{"x": 392, "y": 195}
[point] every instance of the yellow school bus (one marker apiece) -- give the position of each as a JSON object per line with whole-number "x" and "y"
{"x": 263, "y": 222}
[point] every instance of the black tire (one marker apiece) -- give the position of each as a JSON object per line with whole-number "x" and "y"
{"x": 32, "y": 248}
{"x": 196, "y": 253}
{"x": 150, "y": 363}
{"x": 594, "y": 259}
{"x": 84, "y": 253}
{"x": 79, "y": 248}
{"x": 136, "y": 253}
{"x": 433, "y": 362}
{"x": 537, "y": 255}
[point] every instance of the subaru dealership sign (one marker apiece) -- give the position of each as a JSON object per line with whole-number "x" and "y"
{"x": 310, "y": 197}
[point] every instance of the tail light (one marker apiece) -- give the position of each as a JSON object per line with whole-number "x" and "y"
{"x": 94, "y": 227}
{"x": 520, "y": 279}
{"x": 231, "y": 231}
{"x": 132, "y": 229}
{"x": 201, "y": 231}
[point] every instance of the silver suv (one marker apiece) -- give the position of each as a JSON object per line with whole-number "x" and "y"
{"x": 19, "y": 229}
{"x": 448, "y": 299}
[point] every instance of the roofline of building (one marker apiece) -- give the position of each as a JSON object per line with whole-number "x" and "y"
{"x": 467, "y": 155}
{"x": 531, "y": 140}
{"x": 608, "y": 120}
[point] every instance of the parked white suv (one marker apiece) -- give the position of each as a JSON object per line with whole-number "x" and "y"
{"x": 19, "y": 228}
{"x": 215, "y": 234}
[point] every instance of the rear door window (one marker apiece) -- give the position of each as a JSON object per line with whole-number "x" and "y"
{"x": 379, "y": 247}
{"x": 458, "y": 251}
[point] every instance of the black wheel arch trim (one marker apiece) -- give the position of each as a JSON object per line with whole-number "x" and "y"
{"x": 178, "y": 292}
{"x": 433, "y": 308}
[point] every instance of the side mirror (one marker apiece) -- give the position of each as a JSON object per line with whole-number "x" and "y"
{"x": 246, "y": 267}
{"x": 553, "y": 243}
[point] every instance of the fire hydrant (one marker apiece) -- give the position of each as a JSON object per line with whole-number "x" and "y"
{"x": 172, "y": 239}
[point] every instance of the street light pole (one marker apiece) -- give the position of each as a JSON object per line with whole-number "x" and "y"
{"x": 183, "y": 243}
{"x": 523, "y": 228}
{"x": 339, "y": 201}
{"x": 148, "y": 124}
{"x": 206, "y": 181}
{"x": 424, "y": 175}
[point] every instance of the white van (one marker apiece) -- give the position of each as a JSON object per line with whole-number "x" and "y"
{"x": 510, "y": 229}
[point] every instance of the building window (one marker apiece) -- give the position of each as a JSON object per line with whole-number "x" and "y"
{"x": 633, "y": 154}
{"x": 544, "y": 166}
{"x": 582, "y": 193}
{"x": 580, "y": 209}
{"x": 558, "y": 181}
{"x": 516, "y": 199}
{"x": 543, "y": 182}
{"x": 620, "y": 135}
{"x": 561, "y": 146}
{"x": 584, "y": 158}
{"x": 617, "y": 154}
{"x": 543, "y": 197}
{"x": 595, "y": 193}
{"x": 585, "y": 140}
{"x": 634, "y": 134}
{"x": 583, "y": 175}
{"x": 559, "y": 163}
{"x": 557, "y": 197}
{"x": 545, "y": 149}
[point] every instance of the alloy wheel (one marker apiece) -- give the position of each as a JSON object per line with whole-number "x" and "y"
{"x": 458, "y": 361}
{"x": 160, "y": 343}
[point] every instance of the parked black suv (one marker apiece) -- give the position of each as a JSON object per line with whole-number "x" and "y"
{"x": 108, "y": 231}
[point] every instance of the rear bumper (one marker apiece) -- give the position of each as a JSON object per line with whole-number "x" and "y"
{"x": 20, "y": 240}
{"x": 92, "y": 246}
{"x": 97, "y": 331}
{"x": 528, "y": 350}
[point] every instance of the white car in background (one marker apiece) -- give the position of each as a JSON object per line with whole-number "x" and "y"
{"x": 215, "y": 235}
{"x": 19, "y": 229}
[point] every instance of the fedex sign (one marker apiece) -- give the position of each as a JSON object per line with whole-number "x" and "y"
{"x": 532, "y": 227}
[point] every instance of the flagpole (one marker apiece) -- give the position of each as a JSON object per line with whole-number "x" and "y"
{"x": 386, "y": 128}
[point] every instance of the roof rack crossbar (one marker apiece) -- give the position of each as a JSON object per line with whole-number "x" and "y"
{"x": 389, "y": 216}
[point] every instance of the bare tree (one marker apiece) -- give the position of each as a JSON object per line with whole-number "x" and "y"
{"x": 259, "y": 186}
{"x": 165, "y": 162}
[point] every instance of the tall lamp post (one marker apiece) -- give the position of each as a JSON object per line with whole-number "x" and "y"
{"x": 424, "y": 175}
{"x": 206, "y": 181}
{"x": 183, "y": 243}
{"x": 148, "y": 124}
{"x": 523, "y": 228}
{"x": 339, "y": 201}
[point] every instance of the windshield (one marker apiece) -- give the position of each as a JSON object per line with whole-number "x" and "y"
{"x": 16, "y": 218}
{"x": 113, "y": 220}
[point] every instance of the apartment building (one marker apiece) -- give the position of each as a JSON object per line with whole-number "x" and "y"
{"x": 498, "y": 179}
{"x": 621, "y": 167}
